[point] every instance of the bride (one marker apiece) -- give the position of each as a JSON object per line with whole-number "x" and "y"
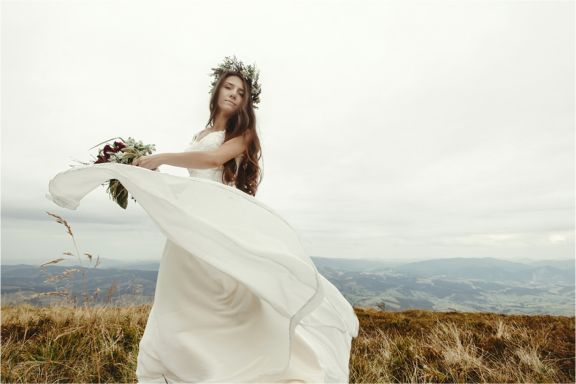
{"x": 237, "y": 299}
{"x": 232, "y": 118}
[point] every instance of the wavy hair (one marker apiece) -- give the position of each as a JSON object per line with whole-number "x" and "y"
{"x": 240, "y": 123}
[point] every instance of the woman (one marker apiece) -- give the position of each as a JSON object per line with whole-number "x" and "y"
{"x": 237, "y": 299}
{"x": 232, "y": 115}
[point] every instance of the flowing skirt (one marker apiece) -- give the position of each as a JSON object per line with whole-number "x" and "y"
{"x": 237, "y": 299}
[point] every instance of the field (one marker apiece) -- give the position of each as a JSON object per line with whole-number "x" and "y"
{"x": 100, "y": 344}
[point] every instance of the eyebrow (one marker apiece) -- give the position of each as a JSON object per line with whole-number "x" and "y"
{"x": 242, "y": 89}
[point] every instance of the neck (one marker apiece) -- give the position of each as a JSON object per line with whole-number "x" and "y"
{"x": 219, "y": 122}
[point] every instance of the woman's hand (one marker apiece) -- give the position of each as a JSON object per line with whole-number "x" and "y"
{"x": 150, "y": 162}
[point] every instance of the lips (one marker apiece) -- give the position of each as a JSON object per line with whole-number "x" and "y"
{"x": 230, "y": 102}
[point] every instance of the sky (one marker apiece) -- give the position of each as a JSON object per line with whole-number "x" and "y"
{"x": 392, "y": 130}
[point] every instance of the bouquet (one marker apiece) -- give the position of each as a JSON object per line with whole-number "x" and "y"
{"x": 122, "y": 152}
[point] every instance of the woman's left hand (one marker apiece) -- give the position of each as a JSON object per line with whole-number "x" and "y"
{"x": 150, "y": 162}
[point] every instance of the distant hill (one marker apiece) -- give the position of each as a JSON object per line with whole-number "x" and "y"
{"x": 490, "y": 269}
{"x": 468, "y": 284}
{"x": 20, "y": 283}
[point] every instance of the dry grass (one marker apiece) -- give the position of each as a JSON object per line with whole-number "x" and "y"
{"x": 61, "y": 283}
{"x": 67, "y": 344}
{"x": 418, "y": 346}
{"x": 100, "y": 344}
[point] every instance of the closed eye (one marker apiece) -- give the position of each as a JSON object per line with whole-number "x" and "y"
{"x": 228, "y": 86}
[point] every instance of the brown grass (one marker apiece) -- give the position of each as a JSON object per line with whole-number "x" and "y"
{"x": 417, "y": 346}
{"x": 61, "y": 283}
{"x": 100, "y": 344}
{"x": 67, "y": 344}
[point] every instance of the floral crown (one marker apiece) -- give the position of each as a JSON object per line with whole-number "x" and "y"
{"x": 249, "y": 73}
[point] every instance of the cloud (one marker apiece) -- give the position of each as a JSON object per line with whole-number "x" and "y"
{"x": 390, "y": 128}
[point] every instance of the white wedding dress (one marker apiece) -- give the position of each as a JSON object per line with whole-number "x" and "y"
{"x": 237, "y": 299}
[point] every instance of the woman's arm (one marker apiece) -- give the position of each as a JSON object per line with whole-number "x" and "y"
{"x": 197, "y": 159}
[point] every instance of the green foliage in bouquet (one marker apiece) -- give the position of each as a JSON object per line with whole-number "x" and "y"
{"x": 121, "y": 152}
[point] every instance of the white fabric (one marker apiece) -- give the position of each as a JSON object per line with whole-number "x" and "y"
{"x": 209, "y": 142}
{"x": 237, "y": 299}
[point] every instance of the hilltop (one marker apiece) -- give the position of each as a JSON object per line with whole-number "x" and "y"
{"x": 100, "y": 344}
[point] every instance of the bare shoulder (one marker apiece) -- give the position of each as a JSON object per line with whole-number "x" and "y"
{"x": 248, "y": 136}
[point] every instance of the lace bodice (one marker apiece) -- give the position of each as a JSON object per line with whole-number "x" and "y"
{"x": 209, "y": 142}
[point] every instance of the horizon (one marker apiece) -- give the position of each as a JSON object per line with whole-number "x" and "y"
{"x": 71, "y": 260}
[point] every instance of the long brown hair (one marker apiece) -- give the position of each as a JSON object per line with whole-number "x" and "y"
{"x": 242, "y": 122}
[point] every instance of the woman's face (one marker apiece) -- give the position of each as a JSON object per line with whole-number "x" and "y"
{"x": 232, "y": 94}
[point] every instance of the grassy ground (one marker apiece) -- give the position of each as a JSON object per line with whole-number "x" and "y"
{"x": 443, "y": 347}
{"x": 100, "y": 344}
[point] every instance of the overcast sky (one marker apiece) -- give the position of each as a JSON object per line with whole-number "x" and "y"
{"x": 390, "y": 130}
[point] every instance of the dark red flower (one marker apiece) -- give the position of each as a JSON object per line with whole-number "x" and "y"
{"x": 118, "y": 145}
{"x": 101, "y": 159}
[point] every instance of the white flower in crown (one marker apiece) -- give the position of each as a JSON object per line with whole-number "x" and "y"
{"x": 249, "y": 73}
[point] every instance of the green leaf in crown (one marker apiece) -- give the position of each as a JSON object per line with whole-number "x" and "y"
{"x": 248, "y": 72}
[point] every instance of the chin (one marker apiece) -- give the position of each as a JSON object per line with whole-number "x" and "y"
{"x": 230, "y": 108}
